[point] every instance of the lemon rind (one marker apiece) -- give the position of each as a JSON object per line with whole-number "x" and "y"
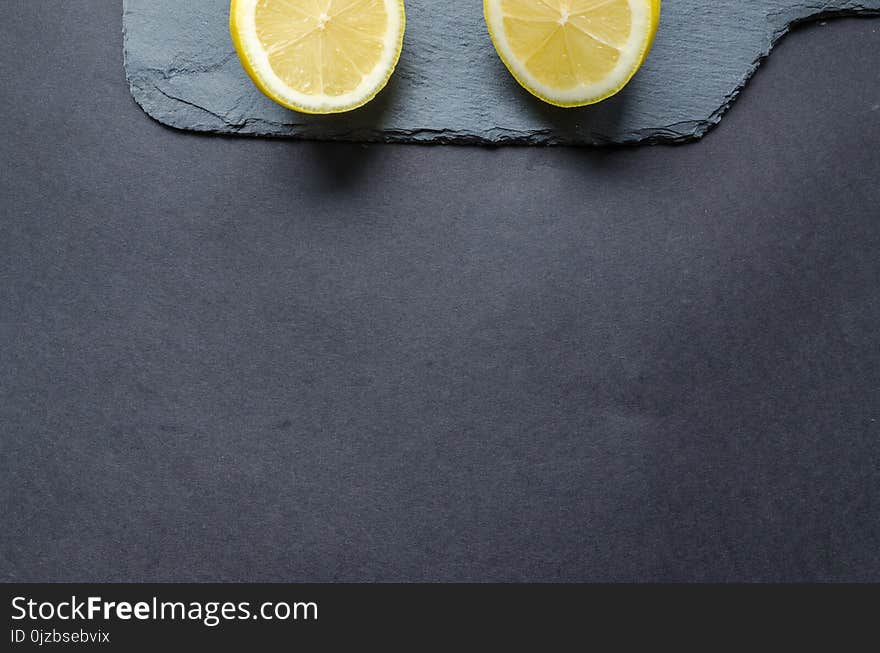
{"x": 654, "y": 17}
{"x": 240, "y": 15}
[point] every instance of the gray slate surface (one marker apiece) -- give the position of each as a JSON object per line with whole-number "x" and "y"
{"x": 450, "y": 85}
{"x": 292, "y": 361}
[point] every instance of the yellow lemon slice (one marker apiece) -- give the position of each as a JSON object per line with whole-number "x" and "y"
{"x": 318, "y": 56}
{"x": 572, "y": 52}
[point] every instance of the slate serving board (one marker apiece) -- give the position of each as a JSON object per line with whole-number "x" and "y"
{"x": 450, "y": 85}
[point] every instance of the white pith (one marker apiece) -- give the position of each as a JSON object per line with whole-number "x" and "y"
{"x": 630, "y": 55}
{"x": 372, "y": 82}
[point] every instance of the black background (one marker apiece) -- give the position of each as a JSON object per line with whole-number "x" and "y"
{"x": 231, "y": 359}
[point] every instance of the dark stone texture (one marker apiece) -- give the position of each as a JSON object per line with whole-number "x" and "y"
{"x": 255, "y": 359}
{"x": 450, "y": 85}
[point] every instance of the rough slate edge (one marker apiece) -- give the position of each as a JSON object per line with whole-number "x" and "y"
{"x": 704, "y": 127}
{"x": 683, "y": 132}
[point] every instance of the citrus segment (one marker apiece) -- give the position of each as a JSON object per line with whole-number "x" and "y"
{"x": 318, "y": 56}
{"x": 572, "y": 52}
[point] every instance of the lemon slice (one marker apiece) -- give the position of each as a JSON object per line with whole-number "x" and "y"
{"x": 572, "y": 52}
{"x": 318, "y": 56}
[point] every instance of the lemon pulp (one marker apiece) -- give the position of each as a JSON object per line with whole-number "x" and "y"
{"x": 572, "y": 52}
{"x": 318, "y": 56}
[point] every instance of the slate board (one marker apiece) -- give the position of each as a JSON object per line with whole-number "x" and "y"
{"x": 450, "y": 85}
